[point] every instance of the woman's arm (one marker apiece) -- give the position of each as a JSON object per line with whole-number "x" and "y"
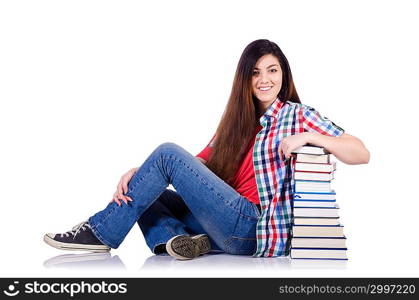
{"x": 346, "y": 148}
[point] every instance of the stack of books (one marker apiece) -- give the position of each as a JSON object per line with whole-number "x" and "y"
{"x": 316, "y": 232}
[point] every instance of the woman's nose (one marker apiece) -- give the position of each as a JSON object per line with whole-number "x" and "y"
{"x": 264, "y": 77}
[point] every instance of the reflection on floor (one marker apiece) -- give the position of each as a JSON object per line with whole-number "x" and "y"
{"x": 226, "y": 261}
{"x": 86, "y": 261}
{"x": 214, "y": 261}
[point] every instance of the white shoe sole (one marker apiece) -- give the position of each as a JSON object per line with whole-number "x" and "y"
{"x": 75, "y": 247}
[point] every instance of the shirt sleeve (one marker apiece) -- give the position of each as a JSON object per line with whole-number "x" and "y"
{"x": 206, "y": 152}
{"x": 314, "y": 122}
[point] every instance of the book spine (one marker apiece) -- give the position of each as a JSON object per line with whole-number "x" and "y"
{"x": 303, "y": 248}
{"x": 313, "y": 200}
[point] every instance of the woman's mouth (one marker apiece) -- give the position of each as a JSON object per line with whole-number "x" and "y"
{"x": 264, "y": 88}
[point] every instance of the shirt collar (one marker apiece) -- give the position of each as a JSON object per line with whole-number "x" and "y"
{"x": 272, "y": 111}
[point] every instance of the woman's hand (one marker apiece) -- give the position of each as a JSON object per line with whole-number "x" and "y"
{"x": 291, "y": 143}
{"x": 122, "y": 187}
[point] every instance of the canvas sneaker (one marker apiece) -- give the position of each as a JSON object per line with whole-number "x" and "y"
{"x": 185, "y": 247}
{"x": 80, "y": 238}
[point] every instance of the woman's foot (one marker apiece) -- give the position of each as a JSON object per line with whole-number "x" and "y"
{"x": 185, "y": 247}
{"x": 80, "y": 238}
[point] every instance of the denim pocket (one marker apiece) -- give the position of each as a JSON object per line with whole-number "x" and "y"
{"x": 245, "y": 208}
{"x": 240, "y": 246}
{"x": 257, "y": 211}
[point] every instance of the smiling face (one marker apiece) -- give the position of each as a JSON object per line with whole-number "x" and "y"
{"x": 266, "y": 80}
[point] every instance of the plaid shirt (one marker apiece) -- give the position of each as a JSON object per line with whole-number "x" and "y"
{"x": 274, "y": 176}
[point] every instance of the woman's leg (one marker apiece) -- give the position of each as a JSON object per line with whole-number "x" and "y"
{"x": 228, "y": 218}
{"x": 167, "y": 217}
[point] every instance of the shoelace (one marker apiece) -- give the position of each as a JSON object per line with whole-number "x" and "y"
{"x": 76, "y": 229}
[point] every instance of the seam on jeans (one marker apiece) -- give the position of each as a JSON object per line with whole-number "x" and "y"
{"x": 100, "y": 238}
{"x": 106, "y": 216}
{"x": 172, "y": 157}
{"x": 229, "y": 248}
{"x": 141, "y": 178}
{"x": 212, "y": 189}
{"x": 170, "y": 229}
{"x": 242, "y": 238}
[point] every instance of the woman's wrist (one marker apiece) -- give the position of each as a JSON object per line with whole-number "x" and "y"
{"x": 317, "y": 139}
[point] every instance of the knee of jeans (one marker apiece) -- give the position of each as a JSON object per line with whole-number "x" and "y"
{"x": 168, "y": 148}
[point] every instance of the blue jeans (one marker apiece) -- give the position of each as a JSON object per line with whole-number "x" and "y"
{"x": 202, "y": 204}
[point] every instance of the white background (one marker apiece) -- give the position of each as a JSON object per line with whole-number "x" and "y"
{"x": 89, "y": 88}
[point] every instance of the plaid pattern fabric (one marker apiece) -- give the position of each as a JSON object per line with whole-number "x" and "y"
{"x": 274, "y": 176}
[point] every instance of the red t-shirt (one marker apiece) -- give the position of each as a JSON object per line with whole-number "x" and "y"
{"x": 244, "y": 181}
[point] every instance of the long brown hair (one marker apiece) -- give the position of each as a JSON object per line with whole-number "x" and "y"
{"x": 241, "y": 115}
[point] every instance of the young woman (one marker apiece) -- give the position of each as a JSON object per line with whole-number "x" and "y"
{"x": 235, "y": 196}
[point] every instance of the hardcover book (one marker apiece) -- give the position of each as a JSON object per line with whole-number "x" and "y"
{"x": 317, "y": 231}
{"x": 319, "y": 253}
{"x": 318, "y": 242}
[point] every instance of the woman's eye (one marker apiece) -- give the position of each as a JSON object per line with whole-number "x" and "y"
{"x": 273, "y": 70}
{"x": 255, "y": 73}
